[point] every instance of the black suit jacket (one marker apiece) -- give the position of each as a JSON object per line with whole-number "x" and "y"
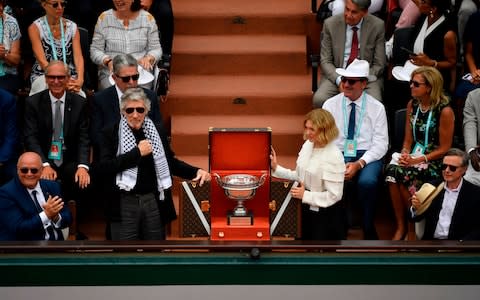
{"x": 110, "y": 164}
{"x": 38, "y": 129}
{"x": 465, "y": 224}
{"x": 106, "y": 113}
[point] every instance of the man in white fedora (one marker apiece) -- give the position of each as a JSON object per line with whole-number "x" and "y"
{"x": 452, "y": 212}
{"x": 363, "y": 139}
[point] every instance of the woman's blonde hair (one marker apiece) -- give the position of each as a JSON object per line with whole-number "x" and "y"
{"x": 324, "y": 124}
{"x": 433, "y": 78}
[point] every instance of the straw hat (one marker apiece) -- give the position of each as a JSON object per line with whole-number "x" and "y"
{"x": 145, "y": 76}
{"x": 358, "y": 68}
{"x": 404, "y": 73}
{"x": 426, "y": 194}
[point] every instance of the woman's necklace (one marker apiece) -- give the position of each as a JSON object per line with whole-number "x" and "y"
{"x": 424, "y": 110}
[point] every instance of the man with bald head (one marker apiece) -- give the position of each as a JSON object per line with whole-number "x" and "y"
{"x": 32, "y": 208}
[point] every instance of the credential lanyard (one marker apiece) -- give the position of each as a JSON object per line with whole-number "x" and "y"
{"x": 427, "y": 127}
{"x": 359, "y": 122}
{"x": 52, "y": 41}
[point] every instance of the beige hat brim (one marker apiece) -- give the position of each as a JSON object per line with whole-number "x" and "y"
{"x": 428, "y": 201}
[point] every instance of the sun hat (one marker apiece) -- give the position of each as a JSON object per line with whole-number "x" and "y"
{"x": 358, "y": 68}
{"x": 404, "y": 73}
{"x": 426, "y": 194}
{"x": 145, "y": 76}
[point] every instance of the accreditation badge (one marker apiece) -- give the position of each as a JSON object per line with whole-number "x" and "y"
{"x": 350, "y": 148}
{"x": 418, "y": 149}
{"x": 55, "y": 152}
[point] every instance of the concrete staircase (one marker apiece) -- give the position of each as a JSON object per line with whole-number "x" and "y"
{"x": 238, "y": 64}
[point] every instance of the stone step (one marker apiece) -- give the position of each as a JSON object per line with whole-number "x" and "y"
{"x": 240, "y": 54}
{"x": 240, "y": 17}
{"x": 255, "y": 94}
{"x": 190, "y": 133}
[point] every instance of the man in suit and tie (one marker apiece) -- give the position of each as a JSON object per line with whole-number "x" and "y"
{"x": 453, "y": 213}
{"x": 471, "y": 135}
{"x": 355, "y": 34}
{"x": 31, "y": 208}
{"x": 56, "y": 127}
{"x": 106, "y": 103}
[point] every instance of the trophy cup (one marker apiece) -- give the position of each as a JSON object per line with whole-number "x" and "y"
{"x": 240, "y": 188}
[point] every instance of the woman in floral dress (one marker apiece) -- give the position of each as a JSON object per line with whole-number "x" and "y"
{"x": 428, "y": 136}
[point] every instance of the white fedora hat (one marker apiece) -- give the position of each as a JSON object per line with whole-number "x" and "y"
{"x": 357, "y": 68}
{"x": 404, "y": 73}
{"x": 426, "y": 194}
{"x": 145, "y": 76}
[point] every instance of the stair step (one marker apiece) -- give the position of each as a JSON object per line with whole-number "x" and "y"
{"x": 235, "y": 54}
{"x": 190, "y": 133}
{"x": 240, "y": 17}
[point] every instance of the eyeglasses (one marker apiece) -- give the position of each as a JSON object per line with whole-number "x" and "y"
{"x": 32, "y": 170}
{"x": 57, "y": 77}
{"x": 416, "y": 83}
{"x": 452, "y": 168}
{"x": 139, "y": 110}
{"x": 350, "y": 81}
{"x": 128, "y": 78}
{"x": 56, "y": 4}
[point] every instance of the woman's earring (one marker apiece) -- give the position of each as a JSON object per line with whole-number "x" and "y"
{"x": 431, "y": 14}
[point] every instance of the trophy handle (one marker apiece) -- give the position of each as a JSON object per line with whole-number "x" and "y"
{"x": 217, "y": 178}
{"x": 262, "y": 179}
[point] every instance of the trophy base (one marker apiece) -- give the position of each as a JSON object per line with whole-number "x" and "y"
{"x": 240, "y": 220}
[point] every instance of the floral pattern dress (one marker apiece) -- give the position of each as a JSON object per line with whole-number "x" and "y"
{"x": 414, "y": 176}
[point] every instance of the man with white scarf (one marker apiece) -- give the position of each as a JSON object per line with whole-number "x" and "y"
{"x": 138, "y": 163}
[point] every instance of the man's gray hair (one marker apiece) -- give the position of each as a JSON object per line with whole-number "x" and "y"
{"x": 123, "y": 60}
{"x": 135, "y": 94}
{"x": 460, "y": 153}
{"x": 362, "y": 4}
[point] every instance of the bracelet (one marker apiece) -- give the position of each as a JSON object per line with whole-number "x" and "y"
{"x": 362, "y": 165}
{"x": 425, "y": 157}
{"x": 435, "y": 63}
{"x": 107, "y": 62}
{"x": 405, "y": 150}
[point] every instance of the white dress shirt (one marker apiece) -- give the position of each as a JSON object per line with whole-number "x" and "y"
{"x": 445, "y": 216}
{"x": 373, "y": 136}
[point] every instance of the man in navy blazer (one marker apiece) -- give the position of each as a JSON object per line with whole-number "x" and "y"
{"x": 106, "y": 103}
{"x": 453, "y": 213}
{"x": 31, "y": 208}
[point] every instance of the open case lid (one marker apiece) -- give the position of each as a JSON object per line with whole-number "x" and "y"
{"x": 239, "y": 148}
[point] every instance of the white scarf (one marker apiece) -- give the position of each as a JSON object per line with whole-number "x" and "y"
{"x": 127, "y": 179}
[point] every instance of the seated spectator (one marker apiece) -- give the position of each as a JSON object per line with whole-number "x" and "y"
{"x": 471, "y": 134}
{"x": 453, "y": 212}
{"x": 355, "y": 34}
{"x": 163, "y": 14}
{"x": 410, "y": 13}
{"x": 320, "y": 170}
{"x": 463, "y": 9}
{"x": 56, "y": 127}
{"x": 471, "y": 39}
{"x": 125, "y": 29}
{"x": 9, "y": 51}
{"x": 32, "y": 208}
{"x": 428, "y": 136}
{"x": 8, "y": 136}
{"x": 138, "y": 165}
{"x": 363, "y": 139}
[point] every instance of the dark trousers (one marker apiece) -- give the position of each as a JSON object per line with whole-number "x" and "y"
{"x": 325, "y": 224}
{"x": 363, "y": 190}
{"x": 140, "y": 218}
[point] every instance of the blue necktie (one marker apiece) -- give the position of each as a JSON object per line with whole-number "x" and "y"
{"x": 351, "y": 122}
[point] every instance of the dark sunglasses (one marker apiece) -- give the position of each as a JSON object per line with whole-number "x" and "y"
{"x": 416, "y": 83}
{"x": 350, "y": 80}
{"x": 57, "y": 77}
{"x": 32, "y": 170}
{"x": 452, "y": 168}
{"x": 139, "y": 110}
{"x": 56, "y": 4}
{"x": 128, "y": 78}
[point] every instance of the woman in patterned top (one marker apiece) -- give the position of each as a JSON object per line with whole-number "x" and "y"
{"x": 125, "y": 29}
{"x": 428, "y": 136}
{"x": 9, "y": 51}
{"x": 55, "y": 38}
